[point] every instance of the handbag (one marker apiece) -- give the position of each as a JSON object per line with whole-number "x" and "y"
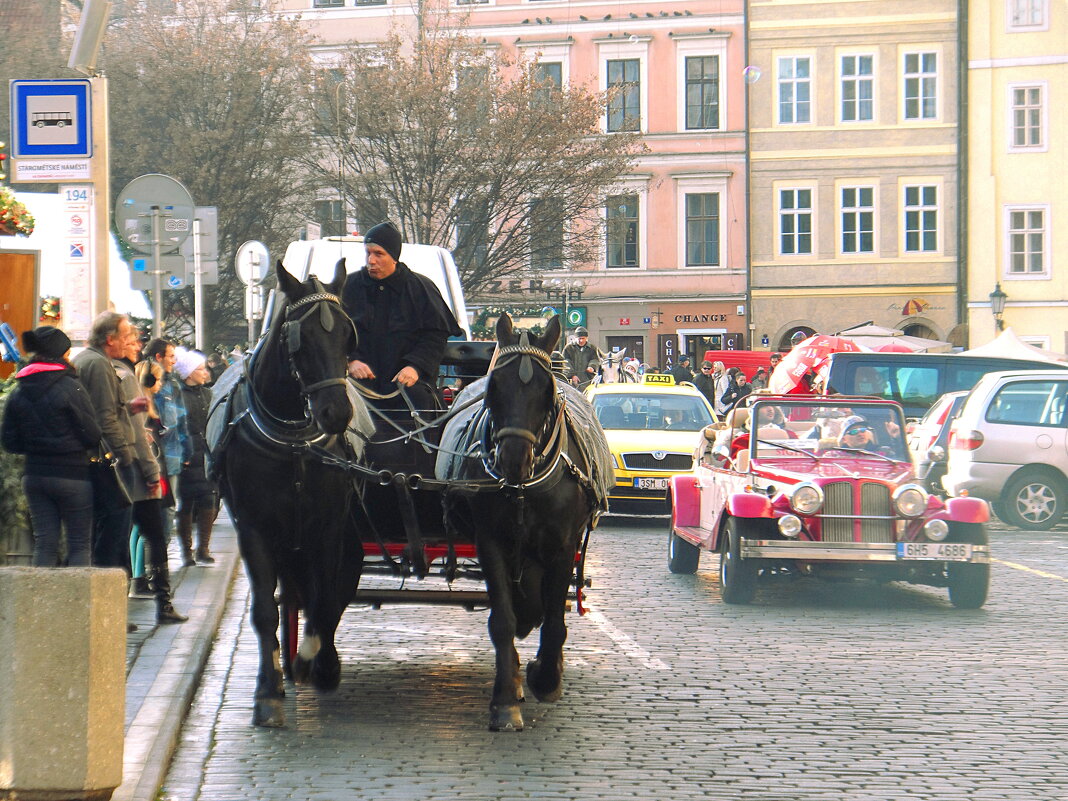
{"x": 109, "y": 491}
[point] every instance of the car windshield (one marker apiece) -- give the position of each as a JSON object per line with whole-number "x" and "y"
{"x": 661, "y": 411}
{"x": 801, "y": 430}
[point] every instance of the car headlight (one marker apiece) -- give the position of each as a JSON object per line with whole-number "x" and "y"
{"x": 790, "y": 525}
{"x": 806, "y": 499}
{"x": 936, "y": 530}
{"x": 910, "y": 500}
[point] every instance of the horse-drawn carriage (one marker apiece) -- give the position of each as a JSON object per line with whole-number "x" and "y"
{"x": 503, "y": 488}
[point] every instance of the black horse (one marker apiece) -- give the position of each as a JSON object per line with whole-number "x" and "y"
{"x": 271, "y": 423}
{"x": 538, "y": 440}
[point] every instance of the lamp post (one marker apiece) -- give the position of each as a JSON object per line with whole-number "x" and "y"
{"x": 997, "y": 306}
{"x": 565, "y": 288}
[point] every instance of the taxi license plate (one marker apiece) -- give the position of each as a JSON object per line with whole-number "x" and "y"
{"x": 937, "y": 551}
{"x": 651, "y": 483}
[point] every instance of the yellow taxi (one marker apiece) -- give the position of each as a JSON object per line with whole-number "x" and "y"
{"x": 652, "y": 430}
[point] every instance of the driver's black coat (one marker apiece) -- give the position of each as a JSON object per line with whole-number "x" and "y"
{"x": 401, "y": 321}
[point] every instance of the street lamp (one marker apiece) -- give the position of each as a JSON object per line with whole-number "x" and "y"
{"x": 997, "y": 306}
{"x": 565, "y": 288}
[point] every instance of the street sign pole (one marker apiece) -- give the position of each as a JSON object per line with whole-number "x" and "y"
{"x": 157, "y": 270}
{"x": 100, "y": 170}
{"x": 198, "y": 290}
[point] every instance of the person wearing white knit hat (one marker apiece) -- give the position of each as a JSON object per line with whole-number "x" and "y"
{"x": 197, "y": 494}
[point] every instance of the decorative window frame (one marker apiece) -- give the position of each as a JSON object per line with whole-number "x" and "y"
{"x": 630, "y": 185}
{"x": 692, "y": 47}
{"x": 1006, "y": 247}
{"x": 857, "y": 183}
{"x": 813, "y": 102}
{"x": 1043, "y": 124}
{"x": 550, "y": 51}
{"x": 618, "y": 49}
{"x": 918, "y": 48}
{"x": 938, "y": 182}
{"x": 1010, "y": 27}
{"x": 693, "y": 184}
{"x": 777, "y": 187}
{"x": 839, "y": 77}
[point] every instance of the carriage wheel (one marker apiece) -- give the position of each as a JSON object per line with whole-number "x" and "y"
{"x": 289, "y": 617}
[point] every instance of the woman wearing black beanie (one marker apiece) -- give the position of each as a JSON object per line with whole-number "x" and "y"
{"x": 51, "y": 420}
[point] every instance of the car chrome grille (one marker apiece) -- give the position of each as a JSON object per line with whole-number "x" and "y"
{"x": 673, "y": 462}
{"x": 838, "y": 500}
{"x": 874, "y": 501}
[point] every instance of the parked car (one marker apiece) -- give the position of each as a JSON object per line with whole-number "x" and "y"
{"x": 1009, "y": 445}
{"x": 650, "y": 429}
{"x": 825, "y": 488}
{"x": 915, "y": 380}
{"x": 929, "y": 440}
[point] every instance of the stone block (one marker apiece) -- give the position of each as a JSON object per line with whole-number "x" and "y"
{"x": 62, "y": 695}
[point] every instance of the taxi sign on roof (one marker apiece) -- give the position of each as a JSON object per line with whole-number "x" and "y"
{"x": 659, "y": 378}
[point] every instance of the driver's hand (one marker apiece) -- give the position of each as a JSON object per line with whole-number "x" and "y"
{"x": 358, "y": 369}
{"x": 407, "y": 376}
{"x": 892, "y": 428}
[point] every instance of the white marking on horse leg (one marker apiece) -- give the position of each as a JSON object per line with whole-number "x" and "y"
{"x": 276, "y": 660}
{"x": 309, "y": 647}
{"x": 625, "y": 642}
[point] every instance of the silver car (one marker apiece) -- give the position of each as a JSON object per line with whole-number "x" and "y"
{"x": 1009, "y": 446}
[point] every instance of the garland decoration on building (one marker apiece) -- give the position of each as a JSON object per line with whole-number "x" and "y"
{"x": 15, "y": 218}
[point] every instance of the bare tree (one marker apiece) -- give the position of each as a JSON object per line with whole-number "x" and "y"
{"x": 216, "y": 96}
{"x": 468, "y": 149}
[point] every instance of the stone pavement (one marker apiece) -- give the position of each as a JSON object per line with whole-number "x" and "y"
{"x": 164, "y": 663}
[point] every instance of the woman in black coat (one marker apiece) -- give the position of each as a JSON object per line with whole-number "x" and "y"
{"x": 198, "y": 498}
{"x": 51, "y": 420}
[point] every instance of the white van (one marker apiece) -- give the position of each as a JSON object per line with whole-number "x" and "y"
{"x": 318, "y": 257}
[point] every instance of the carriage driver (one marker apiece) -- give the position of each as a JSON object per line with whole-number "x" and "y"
{"x": 401, "y": 320}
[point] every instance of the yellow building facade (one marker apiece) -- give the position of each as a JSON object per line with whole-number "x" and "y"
{"x": 1016, "y": 167}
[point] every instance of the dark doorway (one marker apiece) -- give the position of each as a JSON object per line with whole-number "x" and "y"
{"x": 635, "y": 346}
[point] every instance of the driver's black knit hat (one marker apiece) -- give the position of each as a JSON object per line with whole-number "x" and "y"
{"x": 386, "y": 237}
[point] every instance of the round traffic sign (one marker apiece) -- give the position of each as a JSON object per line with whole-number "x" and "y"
{"x": 252, "y": 263}
{"x": 133, "y": 212}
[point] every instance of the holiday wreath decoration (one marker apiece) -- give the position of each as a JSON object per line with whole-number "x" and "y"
{"x": 15, "y": 218}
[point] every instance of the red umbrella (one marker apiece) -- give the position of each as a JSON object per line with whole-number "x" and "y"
{"x": 894, "y": 347}
{"x": 807, "y": 357}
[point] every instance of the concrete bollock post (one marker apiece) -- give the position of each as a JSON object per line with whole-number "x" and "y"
{"x": 63, "y": 684}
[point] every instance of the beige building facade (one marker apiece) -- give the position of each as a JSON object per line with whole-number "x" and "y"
{"x": 853, "y": 110}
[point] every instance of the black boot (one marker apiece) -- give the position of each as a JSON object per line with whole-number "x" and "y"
{"x": 165, "y": 611}
{"x": 183, "y": 522}
{"x": 205, "y": 520}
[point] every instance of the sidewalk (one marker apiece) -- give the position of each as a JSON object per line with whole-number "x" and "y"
{"x": 164, "y": 663}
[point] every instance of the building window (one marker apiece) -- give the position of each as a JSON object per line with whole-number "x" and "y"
{"x": 1027, "y": 242}
{"x": 328, "y": 3}
{"x": 546, "y": 237}
{"x": 858, "y": 89}
{"x": 921, "y": 86}
{"x": 921, "y": 219}
{"x": 329, "y": 215}
{"x": 1026, "y": 117}
{"x": 795, "y": 222}
{"x": 370, "y": 2}
{"x": 624, "y": 103}
{"x": 858, "y": 219}
{"x": 472, "y": 233}
{"x": 1027, "y": 14}
{"x": 702, "y": 229}
{"x": 621, "y": 217}
{"x": 550, "y": 77}
{"x": 702, "y": 92}
{"x": 795, "y": 90}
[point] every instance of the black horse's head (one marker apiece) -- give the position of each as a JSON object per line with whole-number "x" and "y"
{"x": 520, "y": 397}
{"x": 317, "y": 336}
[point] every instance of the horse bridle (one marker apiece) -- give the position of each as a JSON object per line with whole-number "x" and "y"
{"x": 529, "y": 355}
{"x": 321, "y": 300}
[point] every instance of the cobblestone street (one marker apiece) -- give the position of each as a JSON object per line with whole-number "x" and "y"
{"x": 817, "y": 691}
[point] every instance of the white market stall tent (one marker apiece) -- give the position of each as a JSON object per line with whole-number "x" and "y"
{"x": 1008, "y": 345}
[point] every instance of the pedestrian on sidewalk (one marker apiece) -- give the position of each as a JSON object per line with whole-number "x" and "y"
{"x": 197, "y": 494}
{"x": 51, "y": 420}
{"x": 146, "y": 491}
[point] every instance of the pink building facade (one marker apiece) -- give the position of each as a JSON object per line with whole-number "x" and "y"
{"x": 672, "y": 277}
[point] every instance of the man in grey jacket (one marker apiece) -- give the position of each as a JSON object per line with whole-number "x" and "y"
{"x": 111, "y": 509}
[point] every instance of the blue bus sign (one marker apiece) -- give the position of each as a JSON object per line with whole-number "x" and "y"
{"x": 51, "y": 119}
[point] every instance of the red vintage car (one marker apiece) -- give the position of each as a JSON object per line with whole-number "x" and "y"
{"x": 825, "y": 488}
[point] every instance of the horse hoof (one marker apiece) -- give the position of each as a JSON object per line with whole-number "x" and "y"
{"x": 301, "y": 670}
{"x": 506, "y": 718}
{"x": 326, "y": 678}
{"x": 547, "y": 695}
{"x": 268, "y": 712}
